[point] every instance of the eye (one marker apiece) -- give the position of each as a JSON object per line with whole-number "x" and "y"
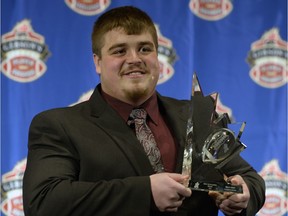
{"x": 119, "y": 51}
{"x": 146, "y": 49}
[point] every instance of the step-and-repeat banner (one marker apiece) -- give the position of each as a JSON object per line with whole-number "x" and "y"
{"x": 237, "y": 48}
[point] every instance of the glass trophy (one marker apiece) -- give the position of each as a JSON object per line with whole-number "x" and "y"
{"x": 219, "y": 147}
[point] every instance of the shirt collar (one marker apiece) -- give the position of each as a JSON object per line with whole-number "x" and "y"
{"x": 124, "y": 109}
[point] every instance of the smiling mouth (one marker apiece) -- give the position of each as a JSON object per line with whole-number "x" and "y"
{"x": 134, "y": 73}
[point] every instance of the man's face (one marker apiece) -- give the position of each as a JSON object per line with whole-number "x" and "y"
{"x": 128, "y": 67}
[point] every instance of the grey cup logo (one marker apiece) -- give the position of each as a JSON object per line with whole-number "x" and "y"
{"x": 211, "y": 10}
{"x": 88, "y": 7}
{"x": 11, "y": 190}
{"x": 268, "y": 60}
{"x": 23, "y": 53}
{"x": 276, "y": 181}
{"x": 167, "y": 57}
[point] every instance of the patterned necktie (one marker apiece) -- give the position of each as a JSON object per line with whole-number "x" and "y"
{"x": 146, "y": 138}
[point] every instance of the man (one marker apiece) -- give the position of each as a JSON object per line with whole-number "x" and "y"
{"x": 87, "y": 159}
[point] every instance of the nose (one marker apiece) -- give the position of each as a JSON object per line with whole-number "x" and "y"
{"x": 133, "y": 57}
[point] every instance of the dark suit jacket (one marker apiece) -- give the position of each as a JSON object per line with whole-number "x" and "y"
{"x": 84, "y": 160}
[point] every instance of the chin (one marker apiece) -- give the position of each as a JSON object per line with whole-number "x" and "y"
{"x": 136, "y": 93}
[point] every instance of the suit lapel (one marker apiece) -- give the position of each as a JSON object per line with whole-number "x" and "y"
{"x": 175, "y": 113}
{"x": 122, "y": 135}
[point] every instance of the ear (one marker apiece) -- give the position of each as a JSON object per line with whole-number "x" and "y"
{"x": 97, "y": 63}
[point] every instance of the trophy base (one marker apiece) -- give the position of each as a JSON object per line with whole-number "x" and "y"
{"x": 215, "y": 186}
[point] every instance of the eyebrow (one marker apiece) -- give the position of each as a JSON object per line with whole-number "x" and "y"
{"x": 116, "y": 46}
{"x": 124, "y": 44}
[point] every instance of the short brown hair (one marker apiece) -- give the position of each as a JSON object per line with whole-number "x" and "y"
{"x": 129, "y": 18}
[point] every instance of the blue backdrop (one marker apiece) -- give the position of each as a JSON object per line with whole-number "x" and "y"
{"x": 237, "y": 48}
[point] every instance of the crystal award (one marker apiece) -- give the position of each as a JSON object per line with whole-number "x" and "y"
{"x": 219, "y": 147}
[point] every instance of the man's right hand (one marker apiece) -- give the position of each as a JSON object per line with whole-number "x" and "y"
{"x": 168, "y": 190}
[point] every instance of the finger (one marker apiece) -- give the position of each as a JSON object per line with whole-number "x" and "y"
{"x": 214, "y": 194}
{"x": 228, "y": 211}
{"x": 229, "y": 194}
{"x": 178, "y": 177}
{"x": 178, "y": 203}
{"x": 220, "y": 197}
{"x": 174, "y": 206}
{"x": 180, "y": 188}
{"x": 230, "y": 208}
{"x": 232, "y": 205}
{"x": 239, "y": 198}
{"x": 181, "y": 198}
{"x": 225, "y": 209}
{"x": 184, "y": 191}
{"x": 236, "y": 198}
{"x": 217, "y": 196}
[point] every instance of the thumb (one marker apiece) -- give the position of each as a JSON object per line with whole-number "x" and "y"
{"x": 236, "y": 180}
{"x": 178, "y": 177}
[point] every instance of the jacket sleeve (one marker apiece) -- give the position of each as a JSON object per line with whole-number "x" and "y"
{"x": 253, "y": 180}
{"x": 51, "y": 183}
{"x": 255, "y": 183}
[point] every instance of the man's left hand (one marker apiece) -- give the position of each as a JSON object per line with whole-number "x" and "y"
{"x": 232, "y": 203}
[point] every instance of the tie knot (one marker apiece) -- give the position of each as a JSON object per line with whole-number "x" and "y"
{"x": 138, "y": 114}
